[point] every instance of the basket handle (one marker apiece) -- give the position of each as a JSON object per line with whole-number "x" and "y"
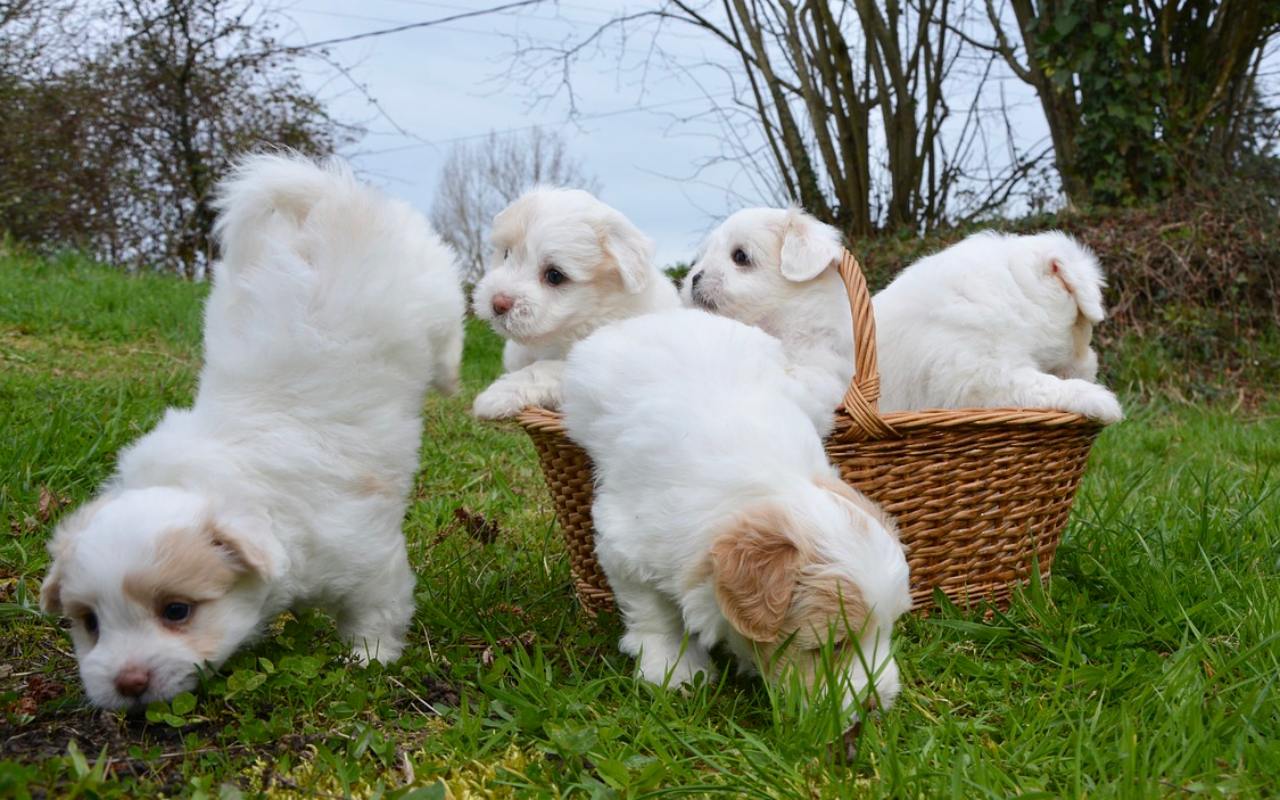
{"x": 863, "y": 395}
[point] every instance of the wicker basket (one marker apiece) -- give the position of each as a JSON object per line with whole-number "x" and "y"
{"x": 979, "y": 495}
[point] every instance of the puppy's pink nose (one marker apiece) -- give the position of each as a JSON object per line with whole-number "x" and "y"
{"x": 502, "y": 303}
{"x": 133, "y": 681}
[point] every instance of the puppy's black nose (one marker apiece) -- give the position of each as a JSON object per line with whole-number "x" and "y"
{"x": 693, "y": 280}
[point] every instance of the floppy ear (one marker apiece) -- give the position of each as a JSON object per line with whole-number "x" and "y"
{"x": 51, "y": 590}
{"x": 755, "y": 564}
{"x": 1084, "y": 289}
{"x": 249, "y": 545}
{"x": 59, "y": 545}
{"x": 827, "y": 603}
{"x": 808, "y": 247}
{"x": 630, "y": 250}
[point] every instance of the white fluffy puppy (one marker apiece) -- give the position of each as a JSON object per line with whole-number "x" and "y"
{"x": 777, "y": 269}
{"x": 717, "y": 513}
{"x": 285, "y": 484}
{"x": 996, "y": 320}
{"x": 563, "y": 264}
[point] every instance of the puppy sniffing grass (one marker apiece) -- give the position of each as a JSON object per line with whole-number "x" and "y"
{"x": 717, "y": 514}
{"x": 563, "y": 264}
{"x": 332, "y": 311}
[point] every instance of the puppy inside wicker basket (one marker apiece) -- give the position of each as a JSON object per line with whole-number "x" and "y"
{"x": 718, "y": 515}
{"x": 996, "y": 321}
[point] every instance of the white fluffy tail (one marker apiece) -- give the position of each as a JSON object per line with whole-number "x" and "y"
{"x": 324, "y": 284}
{"x": 267, "y": 194}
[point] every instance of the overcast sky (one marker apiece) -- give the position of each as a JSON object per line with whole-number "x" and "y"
{"x": 446, "y": 84}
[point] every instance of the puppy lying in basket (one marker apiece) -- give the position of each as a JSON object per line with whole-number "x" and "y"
{"x": 563, "y": 264}
{"x": 994, "y": 321}
{"x": 332, "y": 310}
{"x": 717, "y": 513}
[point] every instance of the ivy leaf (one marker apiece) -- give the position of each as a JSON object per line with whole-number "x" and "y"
{"x": 1065, "y": 24}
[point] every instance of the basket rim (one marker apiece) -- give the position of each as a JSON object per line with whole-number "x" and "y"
{"x": 545, "y": 420}
{"x": 859, "y": 418}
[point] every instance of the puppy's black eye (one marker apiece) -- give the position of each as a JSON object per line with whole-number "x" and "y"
{"x": 176, "y": 612}
{"x": 740, "y": 257}
{"x": 506, "y": 254}
{"x": 91, "y": 623}
{"x": 554, "y": 276}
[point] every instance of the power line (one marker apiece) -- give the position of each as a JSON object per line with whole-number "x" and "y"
{"x": 452, "y": 28}
{"x": 450, "y": 7}
{"x": 519, "y": 128}
{"x": 409, "y": 26}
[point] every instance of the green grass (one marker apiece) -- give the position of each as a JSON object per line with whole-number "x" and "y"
{"x": 1149, "y": 667}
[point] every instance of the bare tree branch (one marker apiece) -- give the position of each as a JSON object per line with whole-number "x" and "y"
{"x": 478, "y": 180}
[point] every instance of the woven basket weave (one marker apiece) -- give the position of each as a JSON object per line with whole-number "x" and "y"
{"x": 979, "y": 495}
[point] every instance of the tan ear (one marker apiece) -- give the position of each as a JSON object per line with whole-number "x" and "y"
{"x": 630, "y": 250}
{"x": 808, "y": 247}
{"x": 755, "y": 564}
{"x": 51, "y": 591}
{"x": 826, "y": 603}
{"x": 59, "y": 546}
{"x": 249, "y": 546}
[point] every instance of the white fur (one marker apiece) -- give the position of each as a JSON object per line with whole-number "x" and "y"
{"x": 331, "y": 312}
{"x": 611, "y": 276}
{"x": 995, "y": 321}
{"x": 985, "y": 323}
{"x": 689, "y": 418}
{"x": 789, "y": 288}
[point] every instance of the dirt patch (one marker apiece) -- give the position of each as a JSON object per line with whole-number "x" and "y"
{"x": 69, "y": 720}
{"x": 430, "y": 696}
{"x": 436, "y": 691}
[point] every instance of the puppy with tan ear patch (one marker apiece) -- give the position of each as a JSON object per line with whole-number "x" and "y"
{"x": 718, "y": 518}
{"x": 776, "y": 269}
{"x": 563, "y": 264}
{"x": 285, "y": 484}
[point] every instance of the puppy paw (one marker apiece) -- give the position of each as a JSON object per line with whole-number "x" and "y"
{"x": 446, "y": 385}
{"x": 499, "y": 401}
{"x": 686, "y": 672}
{"x": 661, "y": 664}
{"x": 535, "y": 385}
{"x": 661, "y": 672}
{"x": 1098, "y": 402}
{"x": 383, "y": 651}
